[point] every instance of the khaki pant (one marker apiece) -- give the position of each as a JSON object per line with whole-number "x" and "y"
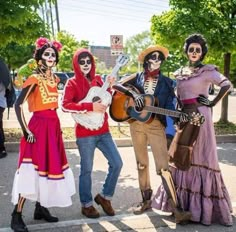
{"x": 153, "y": 134}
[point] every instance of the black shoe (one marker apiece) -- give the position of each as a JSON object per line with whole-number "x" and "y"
{"x": 3, "y": 154}
{"x": 17, "y": 223}
{"x": 41, "y": 212}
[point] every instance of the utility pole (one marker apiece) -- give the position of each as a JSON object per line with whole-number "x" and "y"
{"x": 51, "y": 18}
{"x": 57, "y": 16}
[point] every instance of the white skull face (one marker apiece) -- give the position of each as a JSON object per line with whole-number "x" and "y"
{"x": 85, "y": 65}
{"x": 154, "y": 62}
{"x": 49, "y": 57}
{"x": 194, "y": 52}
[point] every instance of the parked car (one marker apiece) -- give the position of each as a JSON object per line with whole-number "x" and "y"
{"x": 63, "y": 79}
{"x": 70, "y": 74}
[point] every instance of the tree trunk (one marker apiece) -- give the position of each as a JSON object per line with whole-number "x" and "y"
{"x": 224, "y": 103}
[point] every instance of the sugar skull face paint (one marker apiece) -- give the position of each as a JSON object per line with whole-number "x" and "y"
{"x": 49, "y": 57}
{"x": 85, "y": 65}
{"x": 154, "y": 62}
{"x": 194, "y": 52}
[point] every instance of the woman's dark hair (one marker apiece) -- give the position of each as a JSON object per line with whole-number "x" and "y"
{"x": 196, "y": 38}
{"x": 147, "y": 57}
{"x": 39, "y": 52}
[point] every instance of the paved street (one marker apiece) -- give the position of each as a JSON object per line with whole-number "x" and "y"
{"x": 127, "y": 193}
{"x": 126, "y": 196}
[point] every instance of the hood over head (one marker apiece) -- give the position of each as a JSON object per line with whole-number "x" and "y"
{"x": 77, "y": 70}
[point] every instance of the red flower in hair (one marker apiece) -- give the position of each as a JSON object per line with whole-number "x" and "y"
{"x": 40, "y": 42}
{"x": 57, "y": 45}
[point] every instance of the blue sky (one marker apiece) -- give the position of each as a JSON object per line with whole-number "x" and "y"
{"x": 96, "y": 20}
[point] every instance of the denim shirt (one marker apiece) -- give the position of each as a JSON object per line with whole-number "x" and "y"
{"x": 163, "y": 93}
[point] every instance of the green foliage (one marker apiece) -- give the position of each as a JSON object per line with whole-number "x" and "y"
{"x": 16, "y": 55}
{"x": 135, "y": 44}
{"x": 225, "y": 128}
{"x": 70, "y": 45}
{"x": 19, "y": 21}
{"x": 215, "y": 19}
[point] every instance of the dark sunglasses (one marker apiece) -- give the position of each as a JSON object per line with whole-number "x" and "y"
{"x": 83, "y": 62}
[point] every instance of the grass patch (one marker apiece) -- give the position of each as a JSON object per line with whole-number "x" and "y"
{"x": 222, "y": 128}
{"x": 14, "y": 134}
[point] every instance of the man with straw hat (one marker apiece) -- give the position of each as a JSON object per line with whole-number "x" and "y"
{"x": 152, "y": 132}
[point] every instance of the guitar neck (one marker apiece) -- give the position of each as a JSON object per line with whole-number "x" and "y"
{"x": 113, "y": 74}
{"x": 162, "y": 111}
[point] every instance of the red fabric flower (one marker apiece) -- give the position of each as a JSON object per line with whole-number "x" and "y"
{"x": 40, "y": 42}
{"x": 57, "y": 45}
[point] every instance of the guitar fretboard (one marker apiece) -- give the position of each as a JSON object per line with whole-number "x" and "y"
{"x": 162, "y": 111}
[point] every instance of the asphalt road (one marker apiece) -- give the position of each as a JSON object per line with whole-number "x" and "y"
{"x": 127, "y": 195}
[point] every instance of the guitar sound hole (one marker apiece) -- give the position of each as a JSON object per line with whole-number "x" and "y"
{"x": 96, "y": 99}
{"x": 138, "y": 109}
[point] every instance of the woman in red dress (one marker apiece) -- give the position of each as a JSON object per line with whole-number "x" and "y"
{"x": 43, "y": 174}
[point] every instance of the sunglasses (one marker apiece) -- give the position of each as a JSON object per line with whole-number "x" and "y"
{"x": 83, "y": 62}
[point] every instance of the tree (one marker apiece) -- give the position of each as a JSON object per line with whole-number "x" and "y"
{"x": 70, "y": 45}
{"x": 20, "y": 21}
{"x": 16, "y": 55}
{"x": 215, "y": 19}
{"x": 135, "y": 44}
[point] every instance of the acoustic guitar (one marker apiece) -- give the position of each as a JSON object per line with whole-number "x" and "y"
{"x": 123, "y": 109}
{"x": 94, "y": 120}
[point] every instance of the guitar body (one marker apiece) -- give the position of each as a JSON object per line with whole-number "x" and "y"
{"x": 93, "y": 120}
{"x": 123, "y": 108}
{"x": 118, "y": 107}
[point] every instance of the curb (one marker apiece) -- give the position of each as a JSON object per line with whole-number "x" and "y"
{"x": 120, "y": 142}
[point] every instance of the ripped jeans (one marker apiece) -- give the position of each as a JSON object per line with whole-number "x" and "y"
{"x": 153, "y": 134}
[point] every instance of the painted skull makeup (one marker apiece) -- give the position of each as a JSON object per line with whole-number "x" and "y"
{"x": 85, "y": 65}
{"x": 154, "y": 62}
{"x": 194, "y": 52}
{"x": 49, "y": 57}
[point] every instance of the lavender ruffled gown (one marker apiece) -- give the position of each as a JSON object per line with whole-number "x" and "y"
{"x": 201, "y": 189}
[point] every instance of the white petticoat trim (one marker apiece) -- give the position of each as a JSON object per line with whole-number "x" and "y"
{"x": 50, "y": 193}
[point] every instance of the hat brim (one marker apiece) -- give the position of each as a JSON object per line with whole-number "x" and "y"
{"x": 151, "y": 49}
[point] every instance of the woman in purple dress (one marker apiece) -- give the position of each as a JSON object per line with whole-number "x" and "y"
{"x": 200, "y": 189}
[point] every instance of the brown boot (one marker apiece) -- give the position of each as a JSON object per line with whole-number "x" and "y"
{"x": 90, "y": 212}
{"x": 106, "y": 205}
{"x": 146, "y": 203}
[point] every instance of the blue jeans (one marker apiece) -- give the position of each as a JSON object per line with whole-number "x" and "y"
{"x": 87, "y": 148}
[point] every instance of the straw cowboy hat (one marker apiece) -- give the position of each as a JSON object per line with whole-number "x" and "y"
{"x": 150, "y": 49}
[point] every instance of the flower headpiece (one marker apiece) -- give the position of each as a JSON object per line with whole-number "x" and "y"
{"x": 40, "y": 42}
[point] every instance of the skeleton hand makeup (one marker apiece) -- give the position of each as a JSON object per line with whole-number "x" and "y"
{"x": 194, "y": 52}
{"x": 154, "y": 62}
{"x": 49, "y": 57}
{"x": 85, "y": 65}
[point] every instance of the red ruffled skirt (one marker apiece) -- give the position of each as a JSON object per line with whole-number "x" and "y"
{"x": 43, "y": 172}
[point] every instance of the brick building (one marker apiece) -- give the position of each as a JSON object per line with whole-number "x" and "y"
{"x": 103, "y": 53}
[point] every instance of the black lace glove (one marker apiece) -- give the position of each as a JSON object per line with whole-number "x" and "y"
{"x": 183, "y": 118}
{"x": 205, "y": 101}
{"x": 138, "y": 99}
{"x": 29, "y": 136}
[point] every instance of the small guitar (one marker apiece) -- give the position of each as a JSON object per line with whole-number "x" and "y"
{"x": 94, "y": 120}
{"x": 128, "y": 111}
